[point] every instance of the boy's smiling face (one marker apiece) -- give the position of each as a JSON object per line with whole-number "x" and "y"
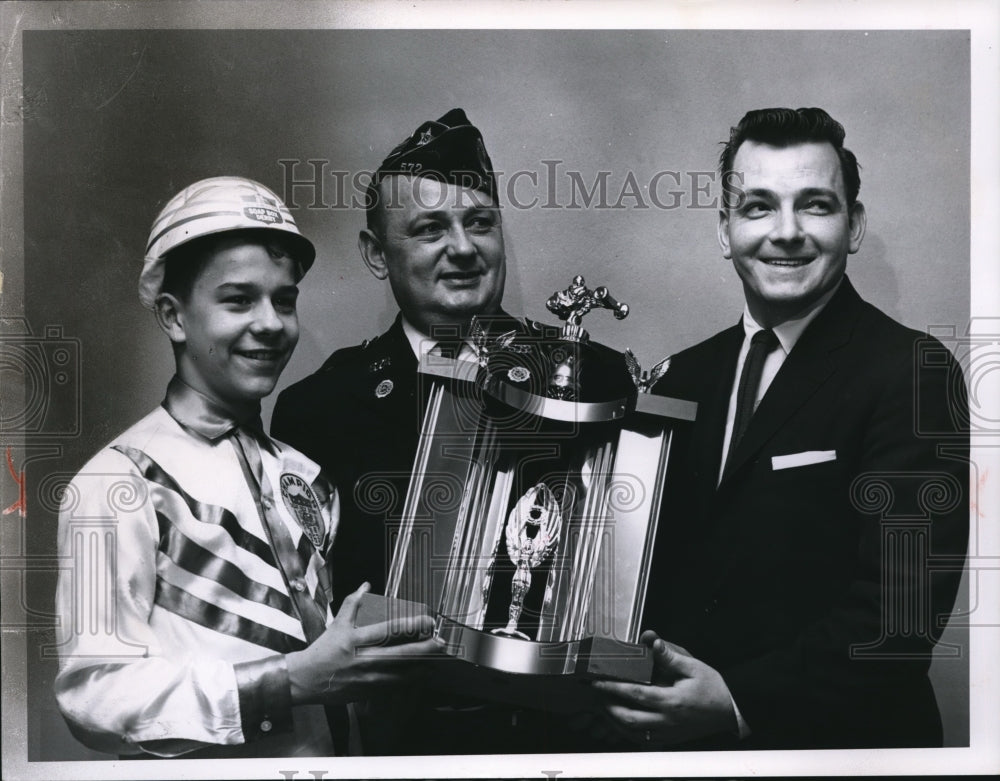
{"x": 238, "y": 326}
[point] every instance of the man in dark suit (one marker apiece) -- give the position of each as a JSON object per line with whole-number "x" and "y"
{"x": 816, "y": 520}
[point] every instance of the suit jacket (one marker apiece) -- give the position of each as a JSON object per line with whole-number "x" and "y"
{"x": 816, "y": 584}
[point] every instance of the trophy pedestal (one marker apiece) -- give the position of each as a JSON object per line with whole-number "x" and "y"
{"x": 550, "y": 676}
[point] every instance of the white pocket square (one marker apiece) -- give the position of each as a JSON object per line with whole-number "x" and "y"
{"x": 802, "y": 459}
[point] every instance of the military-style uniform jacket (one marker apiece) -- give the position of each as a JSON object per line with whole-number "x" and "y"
{"x": 359, "y": 417}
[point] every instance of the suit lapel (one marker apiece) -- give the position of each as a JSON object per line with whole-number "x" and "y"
{"x": 807, "y": 367}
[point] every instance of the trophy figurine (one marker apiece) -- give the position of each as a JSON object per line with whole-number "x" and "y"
{"x": 570, "y": 305}
{"x": 532, "y": 533}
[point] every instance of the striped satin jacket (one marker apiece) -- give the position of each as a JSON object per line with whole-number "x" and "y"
{"x": 175, "y": 604}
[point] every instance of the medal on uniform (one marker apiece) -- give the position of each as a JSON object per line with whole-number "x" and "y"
{"x": 383, "y": 389}
{"x": 518, "y": 374}
{"x": 302, "y": 503}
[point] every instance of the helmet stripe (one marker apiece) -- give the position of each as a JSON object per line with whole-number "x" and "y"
{"x": 202, "y": 216}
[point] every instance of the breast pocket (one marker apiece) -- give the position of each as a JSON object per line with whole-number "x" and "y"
{"x": 802, "y": 459}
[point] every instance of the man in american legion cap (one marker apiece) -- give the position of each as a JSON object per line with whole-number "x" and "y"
{"x": 434, "y": 232}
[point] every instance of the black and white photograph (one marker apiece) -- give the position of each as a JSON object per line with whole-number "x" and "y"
{"x": 499, "y": 389}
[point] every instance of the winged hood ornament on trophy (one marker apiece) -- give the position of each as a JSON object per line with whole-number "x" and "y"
{"x": 645, "y": 381}
{"x": 485, "y": 350}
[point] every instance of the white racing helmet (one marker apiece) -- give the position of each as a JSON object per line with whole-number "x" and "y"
{"x": 217, "y": 205}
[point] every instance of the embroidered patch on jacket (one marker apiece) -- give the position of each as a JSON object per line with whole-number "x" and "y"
{"x": 304, "y": 506}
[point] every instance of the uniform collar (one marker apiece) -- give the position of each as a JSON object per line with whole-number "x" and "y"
{"x": 205, "y": 416}
{"x": 788, "y": 332}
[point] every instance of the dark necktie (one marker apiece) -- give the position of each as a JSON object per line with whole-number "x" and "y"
{"x": 761, "y": 345}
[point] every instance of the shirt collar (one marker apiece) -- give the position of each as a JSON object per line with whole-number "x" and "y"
{"x": 205, "y": 416}
{"x": 788, "y": 332}
{"x": 420, "y": 343}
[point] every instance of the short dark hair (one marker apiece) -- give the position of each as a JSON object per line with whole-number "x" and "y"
{"x": 373, "y": 207}
{"x": 183, "y": 264}
{"x": 784, "y": 127}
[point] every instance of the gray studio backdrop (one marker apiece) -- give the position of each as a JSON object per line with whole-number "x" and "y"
{"x": 115, "y": 122}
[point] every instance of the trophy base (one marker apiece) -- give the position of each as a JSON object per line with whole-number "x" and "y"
{"x": 550, "y": 676}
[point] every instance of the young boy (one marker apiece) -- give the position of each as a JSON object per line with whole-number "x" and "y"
{"x": 195, "y": 615}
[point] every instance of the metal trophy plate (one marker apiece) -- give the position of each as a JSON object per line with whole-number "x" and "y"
{"x": 529, "y": 523}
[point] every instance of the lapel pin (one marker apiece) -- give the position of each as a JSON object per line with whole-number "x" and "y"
{"x": 383, "y": 389}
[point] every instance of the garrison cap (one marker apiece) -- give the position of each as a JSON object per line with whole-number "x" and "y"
{"x": 450, "y": 150}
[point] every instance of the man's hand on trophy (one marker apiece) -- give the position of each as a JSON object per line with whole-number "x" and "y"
{"x": 687, "y": 699}
{"x": 347, "y": 663}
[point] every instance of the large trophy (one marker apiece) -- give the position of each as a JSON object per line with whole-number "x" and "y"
{"x": 529, "y": 523}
